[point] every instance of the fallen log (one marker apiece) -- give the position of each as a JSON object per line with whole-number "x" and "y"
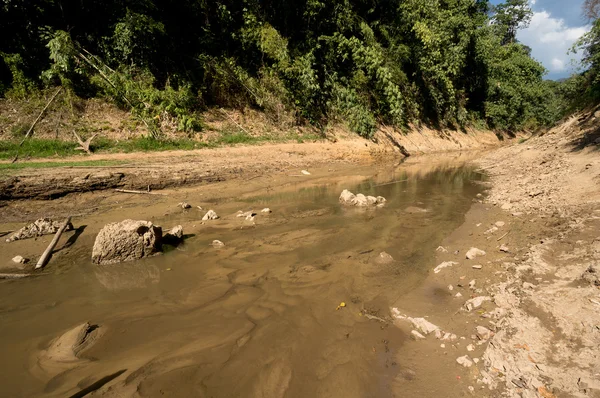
{"x": 46, "y": 255}
{"x": 138, "y": 192}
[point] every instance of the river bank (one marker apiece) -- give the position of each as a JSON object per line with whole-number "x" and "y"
{"x": 186, "y": 322}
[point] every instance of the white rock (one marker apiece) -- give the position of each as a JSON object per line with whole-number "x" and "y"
{"x": 185, "y": 205}
{"x": 491, "y": 230}
{"x": 449, "y": 337}
{"x": 476, "y": 360}
{"x": 371, "y": 200}
{"x": 443, "y": 265}
{"x": 472, "y": 284}
{"x": 385, "y": 258}
{"x": 306, "y": 173}
{"x": 217, "y": 243}
{"x": 477, "y": 267}
{"x": 465, "y": 361}
{"x": 20, "y": 260}
{"x": 470, "y": 347}
{"x": 441, "y": 249}
{"x": 504, "y": 249}
{"x": 381, "y": 200}
{"x": 416, "y": 335}
{"x": 443, "y": 345}
{"x": 347, "y": 197}
{"x": 266, "y": 210}
{"x": 484, "y": 333}
{"x": 476, "y": 302}
{"x": 458, "y": 295}
{"x": 474, "y": 252}
{"x": 423, "y": 325}
{"x": 361, "y": 200}
{"x": 450, "y": 287}
{"x": 499, "y": 224}
{"x": 506, "y": 206}
{"x": 527, "y": 285}
{"x": 210, "y": 215}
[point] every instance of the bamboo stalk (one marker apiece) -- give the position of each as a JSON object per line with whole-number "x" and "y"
{"x": 40, "y": 115}
{"x": 46, "y": 255}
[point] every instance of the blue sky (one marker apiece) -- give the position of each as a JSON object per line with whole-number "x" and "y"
{"x": 555, "y": 26}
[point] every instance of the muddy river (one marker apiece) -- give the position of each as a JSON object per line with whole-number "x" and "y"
{"x": 260, "y": 317}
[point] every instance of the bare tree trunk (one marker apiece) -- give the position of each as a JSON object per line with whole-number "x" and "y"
{"x": 46, "y": 255}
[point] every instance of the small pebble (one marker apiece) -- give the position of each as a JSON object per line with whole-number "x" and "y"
{"x": 477, "y": 267}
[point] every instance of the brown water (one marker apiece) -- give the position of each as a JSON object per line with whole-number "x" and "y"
{"x": 256, "y": 318}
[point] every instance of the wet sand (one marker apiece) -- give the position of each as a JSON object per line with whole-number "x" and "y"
{"x": 259, "y": 317}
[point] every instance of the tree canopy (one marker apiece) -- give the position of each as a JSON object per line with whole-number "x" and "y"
{"x": 365, "y": 62}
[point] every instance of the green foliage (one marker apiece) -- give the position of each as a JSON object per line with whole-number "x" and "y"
{"x": 448, "y": 63}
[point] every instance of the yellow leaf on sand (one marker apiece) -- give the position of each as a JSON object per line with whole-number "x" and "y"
{"x": 342, "y": 305}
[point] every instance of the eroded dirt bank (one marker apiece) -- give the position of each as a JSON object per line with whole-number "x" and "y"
{"x": 160, "y": 170}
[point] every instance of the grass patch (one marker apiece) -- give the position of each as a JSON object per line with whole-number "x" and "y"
{"x": 50, "y": 148}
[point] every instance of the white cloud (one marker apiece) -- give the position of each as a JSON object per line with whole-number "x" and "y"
{"x": 550, "y": 39}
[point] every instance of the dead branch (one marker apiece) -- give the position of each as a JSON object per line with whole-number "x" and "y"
{"x": 46, "y": 255}
{"x": 500, "y": 238}
{"x": 40, "y": 116}
{"x": 139, "y": 192}
{"x": 84, "y": 145}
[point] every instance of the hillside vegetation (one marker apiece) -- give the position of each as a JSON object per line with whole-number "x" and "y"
{"x": 446, "y": 63}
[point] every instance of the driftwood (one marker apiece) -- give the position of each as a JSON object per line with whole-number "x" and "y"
{"x": 500, "y": 238}
{"x": 40, "y": 116}
{"x": 138, "y": 192}
{"x": 46, "y": 255}
{"x": 84, "y": 145}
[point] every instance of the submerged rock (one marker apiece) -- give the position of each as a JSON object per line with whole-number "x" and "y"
{"x": 63, "y": 351}
{"x": 43, "y": 226}
{"x": 210, "y": 215}
{"x": 126, "y": 241}
{"x": 174, "y": 236}
{"x": 360, "y": 200}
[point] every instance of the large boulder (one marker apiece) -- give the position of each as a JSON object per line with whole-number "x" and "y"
{"x": 126, "y": 241}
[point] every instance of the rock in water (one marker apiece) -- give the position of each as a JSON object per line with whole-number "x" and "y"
{"x": 347, "y": 197}
{"x": 474, "y": 252}
{"x": 210, "y": 215}
{"x": 360, "y": 200}
{"x": 174, "y": 236}
{"x": 126, "y": 241}
{"x": 217, "y": 244}
{"x": 43, "y": 226}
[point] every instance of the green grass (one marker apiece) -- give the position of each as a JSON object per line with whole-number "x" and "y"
{"x": 48, "y": 148}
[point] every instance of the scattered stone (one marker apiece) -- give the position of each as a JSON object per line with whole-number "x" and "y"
{"x": 458, "y": 295}
{"x": 484, "y": 333}
{"x": 266, "y": 210}
{"x": 371, "y": 200}
{"x": 306, "y": 173}
{"x": 43, "y": 226}
{"x": 385, "y": 258}
{"x": 248, "y": 215}
{"x": 415, "y": 210}
{"x": 450, "y": 287}
{"x": 185, "y": 205}
{"x": 476, "y": 302}
{"x": 210, "y": 215}
{"x": 499, "y": 224}
{"x": 449, "y": 337}
{"x": 527, "y": 285}
{"x": 217, "y": 244}
{"x": 443, "y": 265}
{"x": 174, "y": 236}
{"x": 477, "y": 267}
{"x": 471, "y": 388}
{"x": 416, "y": 335}
{"x": 442, "y": 345}
{"x": 423, "y": 325}
{"x": 470, "y": 347}
{"x": 479, "y": 195}
{"x": 472, "y": 284}
{"x": 464, "y": 361}
{"x": 20, "y": 260}
{"x": 476, "y": 360}
{"x": 591, "y": 275}
{"x": 506, "y": 206}
{"x": 441, "y": 249}
{"x": 491, "y": 230}
{"x": 126, "y": 241}
{"x": 504, "y": 249}
{"x": 474, "y": 252}
{"x": 361, "y": 200}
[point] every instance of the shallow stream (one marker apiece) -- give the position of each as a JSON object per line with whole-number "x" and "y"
{"x": 257, "y": 318}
